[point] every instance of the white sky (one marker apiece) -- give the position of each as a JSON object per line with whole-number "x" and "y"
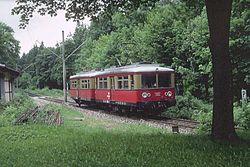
{"x": 40, "y": 28}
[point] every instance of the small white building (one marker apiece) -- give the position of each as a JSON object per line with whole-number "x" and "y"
{"x": 7, "y": 77}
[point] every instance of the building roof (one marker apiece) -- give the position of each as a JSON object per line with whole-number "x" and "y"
{"x": 4, "y": 68}
{"x": 134, "y": 68}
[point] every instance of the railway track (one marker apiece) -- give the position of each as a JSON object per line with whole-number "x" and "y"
{"x": 174, "y": 124}
{"x": 175, "y": 121}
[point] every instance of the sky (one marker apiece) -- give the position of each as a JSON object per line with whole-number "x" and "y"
{"x": 40, "y": 28}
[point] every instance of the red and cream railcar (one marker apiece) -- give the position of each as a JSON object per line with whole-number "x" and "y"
{"x": 138, "y": 86}
{"x": 82, "y": 87}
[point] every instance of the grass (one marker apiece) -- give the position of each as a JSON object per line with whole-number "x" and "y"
{"x": 47, "y": 92}
{"x": 85, "y": 141}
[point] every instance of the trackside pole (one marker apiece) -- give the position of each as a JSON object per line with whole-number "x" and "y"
{"x": 64, "y": 69}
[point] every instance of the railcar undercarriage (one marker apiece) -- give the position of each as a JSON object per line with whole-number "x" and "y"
{"x": 145, "y": 107}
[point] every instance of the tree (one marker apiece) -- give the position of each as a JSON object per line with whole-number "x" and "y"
{"x": 193, "y": 58}
{"x": 218, "y": 12}
{"x": 75, "y": 10}
{"x": 9, "y": 46}
{"x": 240, "y": 46}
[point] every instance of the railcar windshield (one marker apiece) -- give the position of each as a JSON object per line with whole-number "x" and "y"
{"x": 151, "y": 81}
{"x": 148, "y": 81}
{"x": 164, "y": 80}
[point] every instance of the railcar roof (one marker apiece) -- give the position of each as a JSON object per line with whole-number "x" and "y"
{"x": 134, "y": 68}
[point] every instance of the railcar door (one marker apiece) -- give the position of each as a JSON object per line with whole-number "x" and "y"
{"x": 112, "y": 87}
{"x": 78, "y": 88}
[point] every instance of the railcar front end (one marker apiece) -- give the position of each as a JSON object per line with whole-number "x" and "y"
{"x": 156, "y": 91}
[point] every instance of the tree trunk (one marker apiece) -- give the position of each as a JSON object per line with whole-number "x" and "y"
{"x": 219, "y": 13}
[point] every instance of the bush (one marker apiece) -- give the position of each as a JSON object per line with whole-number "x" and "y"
{"x": 205, "y": 120}
{"x": 242, "y": 115}
{"x": 10, "y": 111}
{"x": 47, "y": 92}
{"x": 188, "y": 107}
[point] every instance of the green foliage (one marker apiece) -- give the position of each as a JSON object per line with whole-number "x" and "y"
{"x": 47, "y": 92}
{"x": 205, "y": 120}
{"x": 10, "y": 111}
{"x": 9, "y": 46}
{"x": 242, "y": 115}
{"x": 240, "y": 45}
{"x": 76, "y": 10}
{"x": 26, "y": 81}
{"x": 193, "y": 62}
{"x": 143, "y": 35}
{"x": 188, "y": 107}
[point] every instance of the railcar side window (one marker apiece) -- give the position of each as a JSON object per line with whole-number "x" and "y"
{"x": 120, "y": 82}
{"x": 112, "y": 82}
{"x": 149, "y": 81}
{"x": 103, "y": 83}
{"x": 164, "y": 80}
{"x": 85, "y": 84}
{"x": 132, "y": 82}
{"x": 88, "y": 84}
{"x": 123, "y": 82}
{"x": 73, "y": 84}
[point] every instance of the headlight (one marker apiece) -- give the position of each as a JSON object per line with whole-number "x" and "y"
{"x": 145, "y": 94}
{"x": 169, "y": 93}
